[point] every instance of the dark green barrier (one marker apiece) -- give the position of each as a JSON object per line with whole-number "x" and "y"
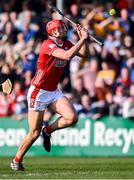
{"x": 110, "y": 136}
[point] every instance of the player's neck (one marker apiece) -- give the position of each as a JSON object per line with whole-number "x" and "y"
{"x": 59, "y": 42}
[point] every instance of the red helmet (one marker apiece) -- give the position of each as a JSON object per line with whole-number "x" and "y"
{"x": 54, "y": 25}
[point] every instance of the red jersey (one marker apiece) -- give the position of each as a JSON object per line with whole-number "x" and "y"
{"x": 49, "y": 68}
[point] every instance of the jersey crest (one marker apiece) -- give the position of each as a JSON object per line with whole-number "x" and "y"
{"x": 51, "y": 46}
{"x": 60, "y": 63}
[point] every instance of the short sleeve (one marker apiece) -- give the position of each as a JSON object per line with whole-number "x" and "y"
{"x": 49, "y": 47}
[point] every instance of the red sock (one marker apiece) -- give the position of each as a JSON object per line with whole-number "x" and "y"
{"x": 48, "y": 129}
{"x": 19, "y": 160}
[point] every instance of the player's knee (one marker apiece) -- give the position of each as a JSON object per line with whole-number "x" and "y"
{"x": 73, "y": 118}
{"x": 34, "y": 134}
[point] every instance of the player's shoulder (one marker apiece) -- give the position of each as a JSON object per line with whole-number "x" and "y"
{"x": 48, "y": 42}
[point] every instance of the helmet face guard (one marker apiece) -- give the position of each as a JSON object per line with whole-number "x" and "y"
{"x": 57, "y": 28}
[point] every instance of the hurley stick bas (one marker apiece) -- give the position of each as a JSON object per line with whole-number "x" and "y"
{"x": 73, "y": 23}
{"x": 6, "y": 87}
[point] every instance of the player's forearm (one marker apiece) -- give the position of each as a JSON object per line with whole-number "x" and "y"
{"x": 69, "y": 54}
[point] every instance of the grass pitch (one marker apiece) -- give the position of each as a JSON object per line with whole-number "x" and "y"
{"x": 70, "y": 168}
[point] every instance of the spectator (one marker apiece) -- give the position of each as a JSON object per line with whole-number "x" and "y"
{"x": 128, "y": 105}
{"x": 17, "y": 100}
{"x": 4, "y": 106}
{"x": 78, "y": 89}
{"x": 88, "y": 74}
{"x": 86, "y": 109}
{"x": 124, "y": 78}
{"x": 124, "y": 20}
{"x": 119, "y": 98}
{"x": 106, "y": 74}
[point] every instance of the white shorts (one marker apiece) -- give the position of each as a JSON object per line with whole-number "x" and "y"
{"x": 39, "y": 99}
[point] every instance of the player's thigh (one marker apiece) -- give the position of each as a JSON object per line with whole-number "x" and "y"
{"x": 64, "y": 107}
{"x": 35, "y": 119}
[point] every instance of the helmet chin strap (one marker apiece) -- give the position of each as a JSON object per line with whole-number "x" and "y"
{"x": 57, "y": 39}
{"x": 56, "y": 33}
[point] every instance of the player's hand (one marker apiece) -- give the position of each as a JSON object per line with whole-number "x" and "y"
{"x": 79, "y": 30}
{"x": 82, "y": 32}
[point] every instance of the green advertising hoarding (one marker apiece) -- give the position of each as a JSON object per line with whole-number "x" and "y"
{"x": 109, "y": 136}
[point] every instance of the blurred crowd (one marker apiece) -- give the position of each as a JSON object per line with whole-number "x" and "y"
{"x": 100, "y": 84}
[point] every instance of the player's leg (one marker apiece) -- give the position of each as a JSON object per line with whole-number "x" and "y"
{"x": 35, "y": 124}
{"x": 67, "y": 111}
{"x": 68, "y": 116}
